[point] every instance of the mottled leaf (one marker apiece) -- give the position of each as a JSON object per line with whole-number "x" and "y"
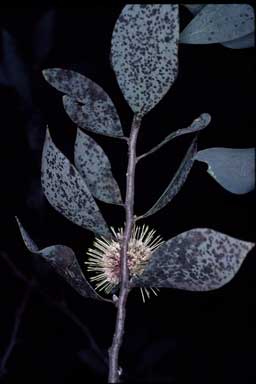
{"x": 232, "y": 168}
{"x": 89, "y": 105}
{"x": 201, "y": 259}
{"x": 43, "y": 35}
{"x": 84, "y": 118}
{"x": 218, "y": 23}
{"x": 67, "y": 192}
{"x": 94, "y": 166}
{"x": 63, "y": 260}
{"x": 194, "y": 8}
{"x": 144, "y": 53}
{"x": 247, "y": 41}
{"x": 177, "y": 181}
{"x": 198, "y": 124}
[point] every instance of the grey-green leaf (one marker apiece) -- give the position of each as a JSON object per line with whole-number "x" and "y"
{"x": 67, "y": 192}
{"x": 63, "y": 260}
{"x": 194, "y": 8}
{"x": 247, "y": 41}
{"x": 89, "y": 117}
{"x": 88, "y": 106}
{"x": 197, "y": 125}
{"x": 232, "y": 168}
{"x": 94, "y": 166}
{"x": 144, "y": 53}
{"x": 200, "y": 259}
{"x": 218, "y": 23}
{"x": 177, "y": 181}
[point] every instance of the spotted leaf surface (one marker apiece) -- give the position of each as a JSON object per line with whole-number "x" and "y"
{"x": 88, "y": 105}
{"x": 197, "y": 260}
{"x": 63, "y": 260}
{"x": 67, "y": 192}
{"x": 218, "y": 23}
{"x": 177, "y": 181}
{"x": 198, "y": 124}
{"x": 144, "y": 53}
{"x": 247, "y": 41}
{"x": 94, "y": 166}
{"x": 232, "y": 168}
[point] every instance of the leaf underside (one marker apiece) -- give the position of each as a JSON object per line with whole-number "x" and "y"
{"x": 219, "y": 23}
{"x": 94, "y": 166}
{"x": 86, "y": 103}
{"x": 232, "y": 168}
{"x": 144, "y": 51}
{"x": 247, "y": 41}
{"x": 63, "y": 260}
{"x": 67, "y": 192}
{"x": 177, "y": 181}
{"x": 200, "y": 259}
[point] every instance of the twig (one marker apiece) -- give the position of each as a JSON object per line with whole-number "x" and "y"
{"x": 114, "y": 369}
{"x": 62, "y": 306}
{"x": 13, "y": 340}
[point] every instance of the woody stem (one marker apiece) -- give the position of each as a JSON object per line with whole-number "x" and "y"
{"x": 114, "y": 370}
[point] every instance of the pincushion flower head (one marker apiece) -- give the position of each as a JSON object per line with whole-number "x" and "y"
{"x": 104, "y": 256}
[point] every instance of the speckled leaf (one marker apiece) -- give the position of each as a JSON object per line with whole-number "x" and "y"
{"x": 89, "y": 105}
{"x": 86, "y": 119}
{"x": 198, "y": 124}
{"x": 247, "y": 41}
{"x": 177, "y": 181}
{"x": 194, "y": 8}
{"x": 67, "y": 192}
{"x": 232, "y": 168}
{"x": 201, "y": 259}
{"x": 63, "y": 260}
{"x": 94, "y": 166}
{"x": 218, "y": 23}
{"x": 144, "y": 53}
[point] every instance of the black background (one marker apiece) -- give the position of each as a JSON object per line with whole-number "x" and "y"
{"x": 175, "y": 337}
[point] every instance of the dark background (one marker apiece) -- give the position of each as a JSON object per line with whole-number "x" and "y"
{"x": 175, "y": 337}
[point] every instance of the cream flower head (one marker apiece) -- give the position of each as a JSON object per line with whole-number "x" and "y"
{"x": 104, "y": 257}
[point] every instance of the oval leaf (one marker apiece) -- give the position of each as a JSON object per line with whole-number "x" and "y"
{"x": 89, "y": 105}
{"x": 144, "y": 53}
{"x": 197, "y": 260}
{"x": 94, "y": 166}
{"x": 86, "y": 119}
{"x": 177, "y": 181}
{"x": 63, "y": 260}
{"x": 217, "y": 23}
{"x": 232, "y": 168}
{"x": 67, "y": 192}
{"x": 247, "y": 41}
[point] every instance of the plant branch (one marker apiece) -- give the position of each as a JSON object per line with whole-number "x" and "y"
{"x": 13, "y": 340}
{"x": 60, "y": 305}
{"x": 114, "y": 369}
